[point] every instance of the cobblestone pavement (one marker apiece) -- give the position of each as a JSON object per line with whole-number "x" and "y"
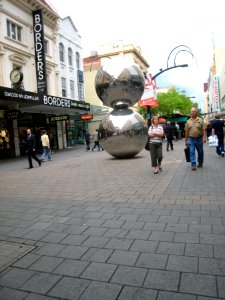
{"x": 105, "y": 228}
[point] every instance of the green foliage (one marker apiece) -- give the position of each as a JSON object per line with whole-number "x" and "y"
{"x": 170, "y": 103}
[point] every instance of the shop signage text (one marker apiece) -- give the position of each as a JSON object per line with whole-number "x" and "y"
{"x": 39, "y": 51}
{"x": 64, "y": 102}
{"x": 12, "y": 114}
{"x": 80, "y": 105}
{"x": 58, "y": 118}
{"x": 56, "y": 101}
{"x": 20, "y": 96}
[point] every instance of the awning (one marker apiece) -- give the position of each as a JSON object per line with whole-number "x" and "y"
{"x": 39, "y": 103}
{"x": 178, "y": 119}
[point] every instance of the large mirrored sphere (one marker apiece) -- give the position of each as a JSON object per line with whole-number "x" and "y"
{"x": 119, "y": 80}
{"x": 123, "y": 133}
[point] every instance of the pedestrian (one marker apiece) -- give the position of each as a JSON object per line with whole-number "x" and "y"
{"x": 156, "y": 133}
{"x": 96, "y": 140}
{"x": 51, "y": 138}
{"x": 178, "y": 137}
{"x": 5, "y": 146}
{"x": 46, "y": 146}
{"x": 170, "y": 133}
{"x": 195, "y": 136}
{"x": 218, "y": 129}
{"x": 31, "y": 151}
{"x": 87, "y": 137}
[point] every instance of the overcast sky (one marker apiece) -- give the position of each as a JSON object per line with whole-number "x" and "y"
{"x": 157, "y": 27}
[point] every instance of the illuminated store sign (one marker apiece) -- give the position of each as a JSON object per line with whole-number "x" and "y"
{"x": 39, "y": 51}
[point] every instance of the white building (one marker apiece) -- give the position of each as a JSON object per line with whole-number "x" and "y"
{"x": 70, "y": 61}
{"x": 71, "y": 79}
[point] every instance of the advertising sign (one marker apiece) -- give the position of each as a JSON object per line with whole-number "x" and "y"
{"x": 149, "y": 97}
{"x": 19, "y": 96}
{"x": 64, "y": 102}
{"x": 86, "y": 117}
{"x": 58, "y": 118}
{"x": 216, "y": 94}
{"x": 39, "y": 51}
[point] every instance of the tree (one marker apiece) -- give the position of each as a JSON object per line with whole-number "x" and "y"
{"x": 170, "y": 103}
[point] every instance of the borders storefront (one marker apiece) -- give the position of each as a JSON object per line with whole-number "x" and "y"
{"x": 20, "y": 110}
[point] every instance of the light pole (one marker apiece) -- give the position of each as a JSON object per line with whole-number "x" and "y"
{"x": 187, "y": 49}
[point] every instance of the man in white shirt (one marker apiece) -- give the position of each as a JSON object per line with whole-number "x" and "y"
{"x": 46, "y": 146}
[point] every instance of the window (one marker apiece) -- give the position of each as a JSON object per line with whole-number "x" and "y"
{"x": 78, "y": 60}
{"x": 16, "y": 67}
{"x": 70, "y": 56}
{"x": 61, "y": 52}
{"x": 46, "y": 47}
{"x": 63, "y": 84}
{"x": 14, "y": 31}
{"x": 81, "y": 91}
{"x": 72, "y": 93}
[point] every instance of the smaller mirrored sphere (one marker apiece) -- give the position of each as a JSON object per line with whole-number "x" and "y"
{"x": 123, "y": 133}
{"x": 119, "y": 80}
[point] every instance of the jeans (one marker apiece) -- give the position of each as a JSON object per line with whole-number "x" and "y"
{"x": 196, "y": 143}
{"x": 220, "y": 147}
{"x": 46, "y": 151}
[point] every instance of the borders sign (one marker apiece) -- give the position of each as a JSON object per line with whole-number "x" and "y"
{"x": 39, "y": 51}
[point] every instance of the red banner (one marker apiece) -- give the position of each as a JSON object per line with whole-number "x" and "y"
{"x": 149, "y": 97}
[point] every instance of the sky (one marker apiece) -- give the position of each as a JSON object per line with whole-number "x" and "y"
{"x": 157, "y": 27}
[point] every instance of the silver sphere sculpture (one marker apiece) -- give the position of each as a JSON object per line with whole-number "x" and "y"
{"x": 119, "y": 84}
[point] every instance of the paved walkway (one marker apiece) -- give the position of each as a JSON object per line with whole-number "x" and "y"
{"x": 105, "y": 228}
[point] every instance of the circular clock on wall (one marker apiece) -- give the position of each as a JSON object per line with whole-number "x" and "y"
{"x": 16, "y": 76}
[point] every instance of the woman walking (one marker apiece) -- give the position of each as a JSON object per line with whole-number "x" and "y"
{"x": 156, "y": 133}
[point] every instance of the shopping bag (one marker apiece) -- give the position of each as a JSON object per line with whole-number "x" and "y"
{"x": 187, "y": 154}
{"x": 213, "y": 141}
{"x": 147, "y": 145}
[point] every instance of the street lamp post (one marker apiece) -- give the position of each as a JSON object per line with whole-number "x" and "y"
{"x": 187, "y": 49}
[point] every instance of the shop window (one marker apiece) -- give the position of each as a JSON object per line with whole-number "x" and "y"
{"x": 70, "y": 57}
{"x": 72, "y": 91}
{"x": 14, "y": 31}
{"x": 61, "y": 52}
{"x": 4, "y": 144}
{"x": 63, "y": 85}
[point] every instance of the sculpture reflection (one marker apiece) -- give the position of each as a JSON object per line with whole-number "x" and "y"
{"x": 122, "y": 132}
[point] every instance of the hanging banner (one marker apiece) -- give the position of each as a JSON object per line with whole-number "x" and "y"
{"x": 149, "y": 97}
{"x": 39, "y": 51}
{"x": 216, "y": 93}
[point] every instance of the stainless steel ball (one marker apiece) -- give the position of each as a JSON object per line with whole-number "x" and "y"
{"x": 123, "y": 133}
{"x": 119, "y": 80}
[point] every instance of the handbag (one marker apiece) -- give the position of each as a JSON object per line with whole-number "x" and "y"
{"x": 147, "y": 145}
{"x": 213, "y": 141}
{"x": 187, "y": 154}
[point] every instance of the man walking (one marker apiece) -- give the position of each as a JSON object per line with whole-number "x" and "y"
{"x": 87, "y": 137}
{"x": 170, "y": 133}
{"x": 31, "y": 152}
{"x": 46, "y": 146}
{"x": 218, "y": 129}
{"x": 195, "y": 136}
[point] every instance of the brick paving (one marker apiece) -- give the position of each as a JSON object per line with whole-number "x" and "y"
{"x": 105, "y": 228}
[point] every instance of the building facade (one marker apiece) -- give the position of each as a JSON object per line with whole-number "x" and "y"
{"x": 25, "y": 53}
{"x": 215, "y": 94}
{"x": 71, "y": 78}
